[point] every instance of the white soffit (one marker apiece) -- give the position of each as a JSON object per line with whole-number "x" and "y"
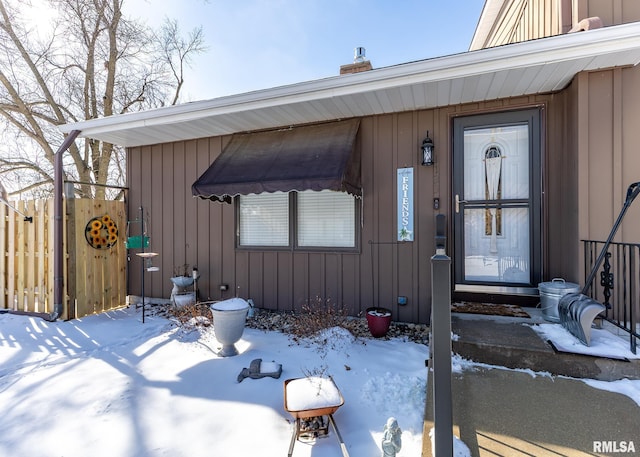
{"x": 532, "y": 67}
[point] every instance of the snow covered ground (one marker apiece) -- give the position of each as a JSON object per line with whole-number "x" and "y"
{"x": 110, "y": 385}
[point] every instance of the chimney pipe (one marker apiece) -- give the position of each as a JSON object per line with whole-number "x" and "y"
{"x": 360, "y": 63}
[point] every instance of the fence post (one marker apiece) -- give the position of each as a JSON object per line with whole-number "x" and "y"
{"x": 440, "y": 344}
{"x": 72, "y": 264}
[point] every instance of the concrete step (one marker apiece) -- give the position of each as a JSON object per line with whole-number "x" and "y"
{"x": 500, "y": 412}
{"x": 511, "y": 342}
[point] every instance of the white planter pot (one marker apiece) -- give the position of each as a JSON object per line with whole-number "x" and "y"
{"x": 229, "y": 317}
{"x": 184, "y": 299}
{"x": 180, "y": 283}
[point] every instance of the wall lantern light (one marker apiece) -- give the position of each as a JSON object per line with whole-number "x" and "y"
{"x": 427, "y": 151}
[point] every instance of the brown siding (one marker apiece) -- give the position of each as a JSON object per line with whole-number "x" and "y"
{"x": 608, "y": 155}
{"x": 612, "y": 12}
{"x": 560, "y": 184}
{"x": 202, "y": 233}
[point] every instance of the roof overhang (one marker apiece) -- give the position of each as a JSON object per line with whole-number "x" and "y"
{"x": 531, "y": 67}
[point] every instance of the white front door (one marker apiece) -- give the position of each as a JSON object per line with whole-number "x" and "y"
{"x": 497, "y": 202}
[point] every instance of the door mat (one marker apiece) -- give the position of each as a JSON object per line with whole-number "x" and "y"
{"x": 490, "y": 309}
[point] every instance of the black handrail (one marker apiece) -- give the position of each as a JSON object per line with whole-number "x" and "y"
{"x": 618, "y": 288}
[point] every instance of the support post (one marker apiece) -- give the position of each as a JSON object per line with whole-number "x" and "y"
{"x": 144, "y": 234}
{"x": 58, "y": 227}
{"x": 440, "y": 344}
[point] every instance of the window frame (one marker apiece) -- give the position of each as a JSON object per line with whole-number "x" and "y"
{"x": 293, "y": 245}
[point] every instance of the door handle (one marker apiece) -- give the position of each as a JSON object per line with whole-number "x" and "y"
{"x": 458, "y": 201}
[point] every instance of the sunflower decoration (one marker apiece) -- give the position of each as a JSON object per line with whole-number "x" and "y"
{"x": 101, "y": 232}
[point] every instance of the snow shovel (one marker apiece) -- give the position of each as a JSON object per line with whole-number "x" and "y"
{"x": 577, "y": 310}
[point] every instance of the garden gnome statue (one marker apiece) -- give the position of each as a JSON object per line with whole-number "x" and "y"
{"x": 392, "y": 438}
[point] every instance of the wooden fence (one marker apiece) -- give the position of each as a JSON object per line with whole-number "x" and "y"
{"x": 94, "y": 272}
{"x": 26, "y": 267}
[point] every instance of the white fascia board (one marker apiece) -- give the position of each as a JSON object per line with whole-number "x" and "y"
{"x": 488, "y": 16}
{"x": 615, "y": 39}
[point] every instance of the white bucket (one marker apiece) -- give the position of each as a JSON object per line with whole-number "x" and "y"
{"x": 184, "y": 299}
{"x": 550, "y": 294}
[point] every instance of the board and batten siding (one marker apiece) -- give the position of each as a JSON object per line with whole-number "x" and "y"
{"x": 187, "y": 230}
{"x": 612, "y": 12}
{"x": 590, "y": 156}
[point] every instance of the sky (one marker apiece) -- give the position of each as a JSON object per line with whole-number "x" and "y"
{"x": 259, "y": 44}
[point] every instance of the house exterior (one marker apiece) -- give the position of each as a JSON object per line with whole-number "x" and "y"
{"x": 317, "y": 191}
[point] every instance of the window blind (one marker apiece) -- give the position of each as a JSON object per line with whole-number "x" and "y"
{"x": 264, "y": 219}
{"x": 326, "y": 219}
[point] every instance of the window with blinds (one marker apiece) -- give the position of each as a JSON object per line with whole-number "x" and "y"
{"x": 264, "y": 219}
{"x": 325, "y": 219}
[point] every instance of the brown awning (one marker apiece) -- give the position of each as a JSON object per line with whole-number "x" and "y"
{"x": 314, "y": 157}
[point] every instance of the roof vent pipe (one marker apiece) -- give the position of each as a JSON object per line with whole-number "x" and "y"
{"x": 358, "y": 55}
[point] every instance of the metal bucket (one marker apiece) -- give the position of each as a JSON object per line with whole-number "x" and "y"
{"x": 550, "y": 294}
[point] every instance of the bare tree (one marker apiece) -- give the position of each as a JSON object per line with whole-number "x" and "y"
{"x": 91, "y": 61}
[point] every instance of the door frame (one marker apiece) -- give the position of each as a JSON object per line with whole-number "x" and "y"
{"x": 533, "y": 118}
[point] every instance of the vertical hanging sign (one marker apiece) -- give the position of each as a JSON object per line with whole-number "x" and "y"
{"x": 405, "y": 204}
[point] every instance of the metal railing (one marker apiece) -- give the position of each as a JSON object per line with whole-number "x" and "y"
{"x": 617, "y": 285}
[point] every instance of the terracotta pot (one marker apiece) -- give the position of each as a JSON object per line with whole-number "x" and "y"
{"x": 378, "y": 320}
